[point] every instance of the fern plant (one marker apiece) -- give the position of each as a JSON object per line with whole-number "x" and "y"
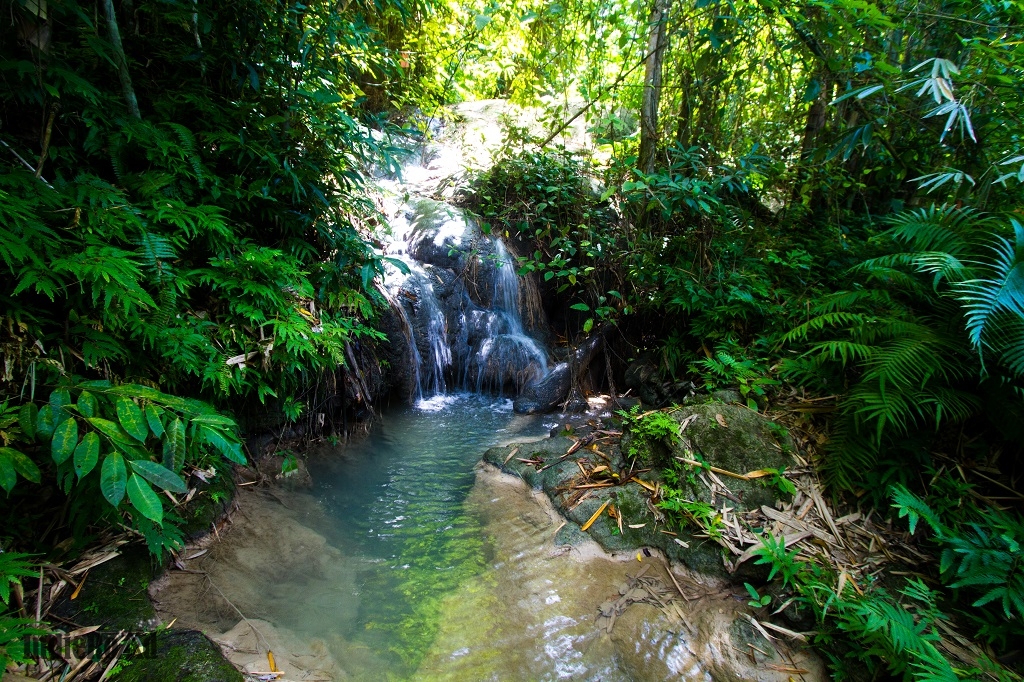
{"x": 981, "y": 556}
{"x": 933, "y": 334}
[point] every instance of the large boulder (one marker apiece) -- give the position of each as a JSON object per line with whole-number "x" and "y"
{"x": 551, "y": 391}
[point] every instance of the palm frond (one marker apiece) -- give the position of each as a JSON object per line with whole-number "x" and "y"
{"x": 1001, "y": 292}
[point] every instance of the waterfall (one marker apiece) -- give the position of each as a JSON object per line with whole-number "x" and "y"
{"x": 507, "y": 354}
{"x": 460, "y": 306}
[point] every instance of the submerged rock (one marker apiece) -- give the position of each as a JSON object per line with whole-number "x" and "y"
{"x": 540, "y": 610}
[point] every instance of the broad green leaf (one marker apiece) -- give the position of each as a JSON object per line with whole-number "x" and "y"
{"x": 58, "y": 400}
{"x": 45, "y": 422}
{"x": 65, "y": 438}
{"x": 138, "y": 391}
{"x": 227, "y": 446}
{"x": 215, "y": 419}
{"x": 113, "y": 477}
{"x": 130, "y": 416}
{"x": 8, "y": 477}
{"x": 132, "y": 450}
{"x": 588, "y": 325}
{"x": 582, "y": 307}
{"x": 153, "y": 417}
{"x": 95, "y": 384}
{"x": 87, "y": 404}
{"x": 160, "y": 475}
{"x": 23, "y": 465}
{"x": 174, "y": 445}
{"x": 145, "y": 500}
{"x": 110, "y": 429}
{"x": 87, "y": 454}
{"x": 27, "y": 416}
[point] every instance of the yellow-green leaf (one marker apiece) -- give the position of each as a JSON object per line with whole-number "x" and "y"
{"x": 87, "y": 454}
{"x": 109, "y": 429}
{"x": 153, "y": 417}
{"x": 7, "y": 475}
{"x": 45, "y": 422}
{"x": 130, "y": 416}
{"x": 87, "y": 404}
{"x": 159, "y": 475}
{"x": 23, "y": 465}
{"x": 145, "y": 500}
{"x": 65, "y": 438}
{"x": 174, "y": 445}
{"x": 113, "y": 477}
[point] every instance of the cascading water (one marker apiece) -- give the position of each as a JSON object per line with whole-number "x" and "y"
{"x": 507, "y": 354}
{"x": 461, "y": 302}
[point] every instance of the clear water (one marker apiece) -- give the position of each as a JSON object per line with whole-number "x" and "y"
{"x": 396, "y": 502}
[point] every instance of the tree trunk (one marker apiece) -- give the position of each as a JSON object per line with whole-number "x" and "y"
{"x": 656, "y": 44}
{"x": 122, "y": 62}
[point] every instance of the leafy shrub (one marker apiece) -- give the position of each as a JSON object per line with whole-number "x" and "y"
{"x": 981, "y": 559}
{"x": 933, "y": 334}
{"x": 100, "y": 442}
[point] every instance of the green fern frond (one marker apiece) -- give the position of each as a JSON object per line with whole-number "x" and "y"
{"x": 914, "y": 508}
{"x": 1002, "y": 291}
{"x": 937, "y": 228}
{"x": 942, "y": 265}
{"x": 825, "y": 321}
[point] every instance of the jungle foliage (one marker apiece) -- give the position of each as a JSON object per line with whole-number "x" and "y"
{"x": 833, "y": 210}
{"x": 828, "y": 205}
{"x": 184, "y": 232}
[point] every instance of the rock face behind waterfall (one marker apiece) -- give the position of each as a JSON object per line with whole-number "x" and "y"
{"x": 459, "y": 310}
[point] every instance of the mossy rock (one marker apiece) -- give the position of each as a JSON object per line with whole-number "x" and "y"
{"x": 748, "y": 441}
{"x": 179, "y": 656}
{"x": 702, "y": 554}
{"x": 115, "y": 595}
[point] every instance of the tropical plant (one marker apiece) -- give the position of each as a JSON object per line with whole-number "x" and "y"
{"x": 934, "y": 333}
{"x": 981, "y": 556}
{"x": 114, "y": 443}
{"x": 15, "y": 631}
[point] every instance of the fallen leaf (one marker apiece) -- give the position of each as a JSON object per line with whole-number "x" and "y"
{"x": 593, "y": 518}
{"x": 721, "y": 421}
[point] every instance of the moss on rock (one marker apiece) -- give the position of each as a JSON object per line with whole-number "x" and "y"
{"x": 179, "y": 656}
{"x": 115, "y": 594}
{"x": 747, "y": 441}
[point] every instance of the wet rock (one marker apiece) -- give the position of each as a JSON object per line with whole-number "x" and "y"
{"x": 546, "y": 394}
{"x": 644, "y": 376}
{"x": 180, "y": 656}
{"x": 552, "y": 390}
{"x": 441, "y": 233}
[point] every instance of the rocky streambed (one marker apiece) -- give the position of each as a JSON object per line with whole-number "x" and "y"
{"x": 505, "y": 585}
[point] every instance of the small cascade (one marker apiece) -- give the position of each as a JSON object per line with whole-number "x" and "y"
{"x": 439, "y": 350}
{"x": 459, "y": 304}
{"x": 507, "y": 354}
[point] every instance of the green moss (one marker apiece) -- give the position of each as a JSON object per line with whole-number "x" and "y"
{"x": 180, "y": 656}
{"x": 115, "y": 594}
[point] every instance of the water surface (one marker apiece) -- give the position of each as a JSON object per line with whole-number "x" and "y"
{"x": 396, "y": 501}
